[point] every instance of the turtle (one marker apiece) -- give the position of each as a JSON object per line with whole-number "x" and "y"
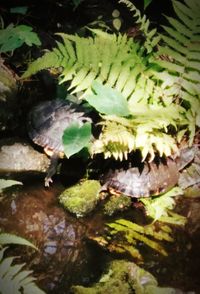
{"x": 150, "y": 178}
{"x": 46, "y": 124}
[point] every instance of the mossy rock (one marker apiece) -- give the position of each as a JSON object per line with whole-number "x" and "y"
{"x": 81, "y": 198}
{"x": 116, "y": 204}
{"x": 127, "y": 278}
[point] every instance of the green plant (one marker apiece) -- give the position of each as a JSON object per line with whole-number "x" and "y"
{"x": 159, "y": 79}
{"x": 6, "y": 239}
{"x": 180, "y": 70}
{"x": 8, "y": 183}
{"x": 13, "y": 37}
{"x": 13, "y": 279}
{"x": 124, "y": 236}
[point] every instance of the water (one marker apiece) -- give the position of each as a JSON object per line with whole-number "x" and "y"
{"x": 65, "y": 255}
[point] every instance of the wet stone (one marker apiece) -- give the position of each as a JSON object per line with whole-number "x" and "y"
{"x": 20, "y": 157}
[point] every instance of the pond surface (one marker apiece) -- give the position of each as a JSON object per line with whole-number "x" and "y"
{"x": 65, "y": 255}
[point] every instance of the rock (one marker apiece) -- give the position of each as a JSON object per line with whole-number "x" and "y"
{"x": 190, "y": 176}
{"x": 81, "y": 198}
{"x": 127, "y": 278}
{"x": 116, "y": 204}
{"x": 20, "y": 157}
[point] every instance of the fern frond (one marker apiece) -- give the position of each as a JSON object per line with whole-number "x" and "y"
{"x": 146, "y": 130}
{"x": 51, "y": 59}
{"x": 182, "y": 68}
{"x": 6, "y": 238}
{"x": 14, "y": 280}
{"x": 113, "y": 60}
{"x": 115, "y": 140}
{"x": 151, "y": 39}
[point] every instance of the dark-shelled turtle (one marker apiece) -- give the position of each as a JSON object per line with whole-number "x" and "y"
{"x": 148, "y": 179}
{"x": 46, "y": 124}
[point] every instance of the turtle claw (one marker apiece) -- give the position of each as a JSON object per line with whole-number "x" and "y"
{"x": 47, "y": 181}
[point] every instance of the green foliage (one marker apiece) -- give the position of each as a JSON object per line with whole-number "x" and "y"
{"x": 8, "y": 183}
{"x": 151, "y": 39}
{"x": 146, "y": 130}
{"x": 6, "y": 239}
{"x": 15, "y": 280}
{"x": 160, "y": 208}
{"x": 76, "y": 137}
{"x": 83, "y": 60}
{"x": 127, "y": 278}
{"x": 180, "y": 76}
{"x": 107, "y": 100}
{"x": 123, "y": 236}
{"x": 14, "y": 37}
{"x": 159, "y": 80}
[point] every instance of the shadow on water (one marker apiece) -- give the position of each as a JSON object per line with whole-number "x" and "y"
{"x": 65, "y": 256}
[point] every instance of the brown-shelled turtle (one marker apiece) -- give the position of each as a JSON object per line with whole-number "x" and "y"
{"x": 46, "y": 124}
{"x": 148, "y": 179}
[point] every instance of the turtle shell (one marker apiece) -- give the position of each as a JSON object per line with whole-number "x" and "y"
{"x": 150, "y": 179}
{"x": 48, "y": 120}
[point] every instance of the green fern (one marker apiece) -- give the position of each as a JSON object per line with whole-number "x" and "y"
{"x": 13, "y": 279}
{"x": 181, "y": 69}
{"x": 83, "y": 60}
{"x": 6, "y": 239}
{"x": 162, "y": 89}
{"x": 151, "y": 36}
{"x": 123, "y": 236}
{"x": 146, "y": 130}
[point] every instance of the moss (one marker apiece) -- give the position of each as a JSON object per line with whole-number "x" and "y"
{"x": 127, "y": 278}
{"x": 113, "y": 281}
{"x": 117, "y": 203}
{"x": 81, "y": 198}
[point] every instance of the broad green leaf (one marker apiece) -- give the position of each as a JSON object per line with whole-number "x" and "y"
{"x": 6, "y": 238}
{"x": 13, "y": 37}
{"x": 107, "y": 100}
{"x": 8, "y": 183}
{"x": 76, "y": 137}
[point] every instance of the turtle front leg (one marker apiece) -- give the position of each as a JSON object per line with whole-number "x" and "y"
{"x": 52, "y": 169}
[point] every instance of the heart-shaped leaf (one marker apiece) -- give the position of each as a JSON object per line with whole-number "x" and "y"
{"x": 76, "y": 137}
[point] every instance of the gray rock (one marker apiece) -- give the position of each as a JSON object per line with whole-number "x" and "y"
{"x": 19, "y": 157}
